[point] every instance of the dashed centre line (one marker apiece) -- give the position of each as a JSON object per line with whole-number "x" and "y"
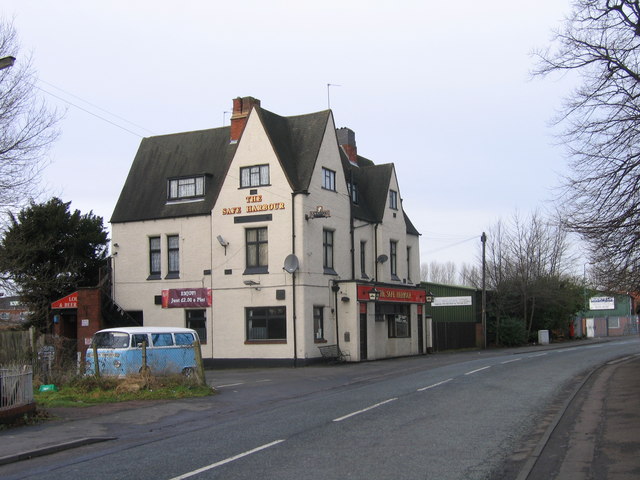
{"x": 477, "y": 370}
{"x": 511, "y": 361}
{"x": 226, "y": 460}
{"x": 339, "y": 419}
{"x": 434, "y": 385}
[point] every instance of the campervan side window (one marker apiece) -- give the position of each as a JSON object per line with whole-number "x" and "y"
{"x": 111, "y": 340}
{"x": 137, "y": 339}
{"x": 184, "y": 339}
{"x": 161, "y": 339}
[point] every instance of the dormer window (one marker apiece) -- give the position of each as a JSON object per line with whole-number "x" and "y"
{"x": 353, "y": 192}
{"x": 185, "y": 188}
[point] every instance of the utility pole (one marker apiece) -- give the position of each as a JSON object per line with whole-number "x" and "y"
{"x": 483, "y": 239}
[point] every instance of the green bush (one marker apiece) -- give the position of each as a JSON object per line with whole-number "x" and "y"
{"x": 511, "y": 332}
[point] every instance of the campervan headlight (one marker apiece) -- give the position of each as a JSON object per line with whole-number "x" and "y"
{"x": 117, "y": 364}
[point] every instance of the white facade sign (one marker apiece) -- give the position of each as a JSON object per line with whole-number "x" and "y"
{"x": 451, "y": 301}
{"x": 602, "y": 303}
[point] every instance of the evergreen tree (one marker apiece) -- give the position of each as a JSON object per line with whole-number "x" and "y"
{"x": 48, "y": 252}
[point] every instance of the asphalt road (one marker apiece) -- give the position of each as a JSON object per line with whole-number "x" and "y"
{"x": 462, "y": 416}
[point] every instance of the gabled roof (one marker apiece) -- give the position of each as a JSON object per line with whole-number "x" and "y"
{"x": 372, "y": 182}
{"x": 144, "y": 195}
{"x": 296, "y": 141}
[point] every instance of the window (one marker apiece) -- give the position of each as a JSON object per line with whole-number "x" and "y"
{"x": 266, "y": 323}
{"x": 254, "y": 176}
{"x": 393, "y": 199}
{"x": 197, "y": 320}
{"x": 363, "y": 259}
{"x": 393, "y": 259}
{"x": 138, "y": 338}
{"x": 328, "y": 179}
{"x": 408, "y": 263}
{"x": 161, "y": 339}
{"x": 353, "y": 192}
{"x": 318, "y": 323}
{"x": 184, "y": 339}
{"x": 257, "y": 250}
{"x": 154, "y": 257}
{"x": 173, "y": 250}
{"x": 186, "y": 188}
{"x": 399, "y": 326}
{"x": 327, "y": 251}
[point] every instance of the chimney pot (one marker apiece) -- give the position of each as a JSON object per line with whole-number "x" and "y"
{"x": 241, "y": 108}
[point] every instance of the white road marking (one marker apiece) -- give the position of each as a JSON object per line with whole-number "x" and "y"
{"x": 434, "y": 385}
{"x": 229, "y": 385}
{"x": 339, "y": 419}
{"x": 511, "y": 361}
{"x": 539, "y": 355}
{"x": 226, "y": 460}
{"x": 477, "y": 370}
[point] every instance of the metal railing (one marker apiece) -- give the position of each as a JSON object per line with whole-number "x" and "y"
{"x": 16, "y": 387}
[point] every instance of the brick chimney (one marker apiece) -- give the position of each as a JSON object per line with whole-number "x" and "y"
{"x": 241, "y": 108}
{"x": 347, "y": 140}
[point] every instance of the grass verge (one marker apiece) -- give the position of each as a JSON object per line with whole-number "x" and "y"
{"x": 87, "y": 391}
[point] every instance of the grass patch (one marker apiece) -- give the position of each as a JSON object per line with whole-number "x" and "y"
{"x": 87, "y": 391}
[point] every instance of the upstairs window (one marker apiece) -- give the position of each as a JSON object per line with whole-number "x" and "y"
{"x": 393, "y": 259}
{"x": 254, "y": 176}
{"x": 353, "y": 192}
{"x": 328, "y": 179}
{"x": 257, "y": 250}
{"x": 185, "y": 188}
{"x": 393, "y": 199}
{"x": 173, "y": 258}
{"x": 154, "y": 257}
{"x": 327, "y": 251}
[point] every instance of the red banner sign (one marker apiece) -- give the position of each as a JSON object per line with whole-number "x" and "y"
{"x": 70, "y": 301}
{"x": 186, "y": 298}
{"x": 392, "y": 294}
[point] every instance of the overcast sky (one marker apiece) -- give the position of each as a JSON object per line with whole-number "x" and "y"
{"x": 441, "y": 89}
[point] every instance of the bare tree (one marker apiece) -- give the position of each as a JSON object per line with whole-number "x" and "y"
{"x": 27, "y": 126}
{"x": 527, "y": 262}
{"x": 437, "y": 272}
{"x": 600, "y": 40}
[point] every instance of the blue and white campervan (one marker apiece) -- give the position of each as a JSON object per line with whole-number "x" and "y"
{"x": 119, "y": 350}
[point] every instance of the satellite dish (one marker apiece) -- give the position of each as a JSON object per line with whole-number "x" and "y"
{"x": 382, "y": 258}
{"x": 291, "y": 263}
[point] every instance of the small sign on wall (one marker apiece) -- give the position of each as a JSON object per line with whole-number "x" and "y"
{"x": 84, "y": 322}
{"x": 87, "y": 341}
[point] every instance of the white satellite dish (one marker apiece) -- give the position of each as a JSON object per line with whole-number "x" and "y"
{"x": 291, "y": 263}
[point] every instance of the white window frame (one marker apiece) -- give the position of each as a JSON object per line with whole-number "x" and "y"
{"x": 254, "y": 176}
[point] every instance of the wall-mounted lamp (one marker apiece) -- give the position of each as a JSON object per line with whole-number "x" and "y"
{"x": 252, "y": 283}
{"x": 374, "y": 294}
{"x": 428, "y": 298}
{"x": 382, "y": 258}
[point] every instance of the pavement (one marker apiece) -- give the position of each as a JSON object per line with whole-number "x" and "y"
{"x": 596, "y": 435}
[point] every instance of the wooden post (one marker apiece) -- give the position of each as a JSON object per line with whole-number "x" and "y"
{"x": 96, "y": 364}
{"x": 199, "y": 362}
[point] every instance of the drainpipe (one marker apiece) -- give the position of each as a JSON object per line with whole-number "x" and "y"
{"x": 335, "y": 288}
{"x": 293, "y": 279}
{"x": 375, "y": 250}
{"x": 351, "y": 229}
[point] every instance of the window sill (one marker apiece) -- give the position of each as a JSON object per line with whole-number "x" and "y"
{"x": 395, "y": 278}
{"x": 172, "y": 276}
{"x": 330, "y": 271}
{"x": 255, "y": 270}
{"x": 265, "y": 342}
{"x": 322, "y": 340}
{"x": 154, "y": 277}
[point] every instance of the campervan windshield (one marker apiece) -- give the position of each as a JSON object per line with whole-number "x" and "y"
{"x": 111, "y": 340}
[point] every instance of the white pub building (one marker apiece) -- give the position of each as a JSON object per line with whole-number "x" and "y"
{"x": 270, "y": 237}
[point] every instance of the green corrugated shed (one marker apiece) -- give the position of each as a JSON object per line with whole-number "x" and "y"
{"x": 449, "y": 294}
{"x": 622, "y": 308}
